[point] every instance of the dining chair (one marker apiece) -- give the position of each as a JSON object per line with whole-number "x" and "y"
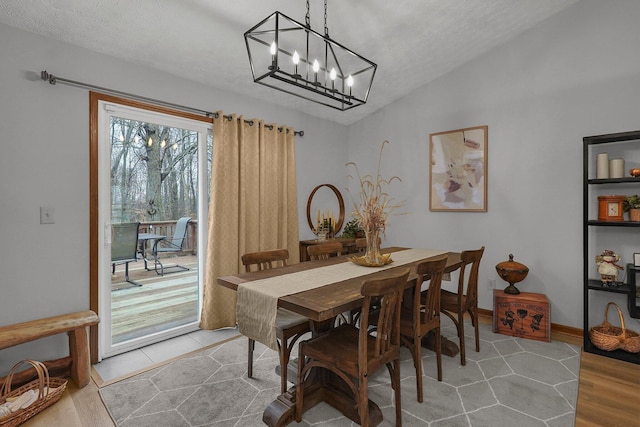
{"x": 324, "y": 250}
{"x": 455, "y": 304}
{"x": 124, "y": 247}
{"x": 289, "y": 326}
{"x": 171, "y": 245}
{"x": 422, "y": 315}
{"x": 354, "y": 354}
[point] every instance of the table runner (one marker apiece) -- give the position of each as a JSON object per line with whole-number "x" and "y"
{"x": 257, "y": 302}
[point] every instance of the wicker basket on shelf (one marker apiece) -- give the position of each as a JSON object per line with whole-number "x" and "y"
{"x": 49, "y": 391}
{"x": 608, "y": 337}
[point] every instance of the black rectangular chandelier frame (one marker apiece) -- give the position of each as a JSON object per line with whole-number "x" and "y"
{"x": 328, "y": 85}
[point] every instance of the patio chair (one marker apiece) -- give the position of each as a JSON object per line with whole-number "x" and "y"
{"x": 124, "y": 247}
{"x": 173, "y": 245}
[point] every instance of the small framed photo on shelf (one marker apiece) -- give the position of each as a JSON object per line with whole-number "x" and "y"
{"x": 636, "y": 259}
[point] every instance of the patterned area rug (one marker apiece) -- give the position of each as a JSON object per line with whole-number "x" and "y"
{"x": 513, "y": 380}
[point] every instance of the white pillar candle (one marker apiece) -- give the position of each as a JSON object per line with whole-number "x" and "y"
{"x": 616, "y": 168}
{"x": 602, "y": 166}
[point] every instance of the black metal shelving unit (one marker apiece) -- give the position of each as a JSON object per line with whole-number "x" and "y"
{"x": 625, "y": 185}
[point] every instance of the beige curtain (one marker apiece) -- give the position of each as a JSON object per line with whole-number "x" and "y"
{"x": 253, "y": 205}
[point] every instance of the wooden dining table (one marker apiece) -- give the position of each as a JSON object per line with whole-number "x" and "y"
{"x": 321, "y": 305}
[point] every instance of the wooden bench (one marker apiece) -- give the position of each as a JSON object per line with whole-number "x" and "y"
{"x": 77, "y": 364}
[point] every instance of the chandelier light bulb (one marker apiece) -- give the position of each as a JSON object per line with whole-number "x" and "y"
{"x": 296, "y": 61}
{"x": 150, "y": 142}
{"x": 274, "y": 50}
{"x": 316, "y": 68}
{"x": 332, "y": 76}
{"x": 163, "y": 143}
{"x": 175, "y": 145}
{"x": 350, "y": 83}
{"x": 121, "y": 138}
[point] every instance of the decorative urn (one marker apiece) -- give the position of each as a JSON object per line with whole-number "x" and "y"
{"x": 512, "y": 272}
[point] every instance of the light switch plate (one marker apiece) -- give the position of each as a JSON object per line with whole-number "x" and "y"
{"x": 47, "y": 215}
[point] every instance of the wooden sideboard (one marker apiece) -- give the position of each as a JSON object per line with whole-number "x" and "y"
{"x": 349, "y": 246}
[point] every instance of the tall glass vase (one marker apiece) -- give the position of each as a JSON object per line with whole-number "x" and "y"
{"x": 372, "y": 255}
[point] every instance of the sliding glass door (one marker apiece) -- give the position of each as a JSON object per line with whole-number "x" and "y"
{"x": 152, "y": 197}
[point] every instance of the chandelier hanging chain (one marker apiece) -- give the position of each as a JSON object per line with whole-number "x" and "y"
{"x": 307, "y": 18}
{"x": 326, "y": 28}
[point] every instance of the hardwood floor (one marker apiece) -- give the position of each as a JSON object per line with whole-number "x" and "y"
{"x": 608, "y": 392}
{"x": 608, "y": 395}
{"x": 76, "y": 408}
{"x": 162, "y": 302}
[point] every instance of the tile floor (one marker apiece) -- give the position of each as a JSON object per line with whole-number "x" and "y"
{"x": 124, "y": 364}
{"x": 511, "y": 381}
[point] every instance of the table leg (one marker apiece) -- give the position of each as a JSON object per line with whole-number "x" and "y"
{"x": 320, "y": 386}
{"x": 448, "y": 347}
{"x": 143, "y": 252}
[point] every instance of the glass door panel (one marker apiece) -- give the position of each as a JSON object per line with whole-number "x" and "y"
{"x": 150, "y": 177}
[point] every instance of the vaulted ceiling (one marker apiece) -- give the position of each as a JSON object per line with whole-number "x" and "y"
{"x": 412, "y": 41}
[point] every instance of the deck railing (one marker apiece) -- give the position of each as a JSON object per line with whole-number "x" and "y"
{"x": 168, "y": 227}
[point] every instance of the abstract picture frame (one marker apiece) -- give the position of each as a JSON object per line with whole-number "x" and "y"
{"x": 458, "y": 170}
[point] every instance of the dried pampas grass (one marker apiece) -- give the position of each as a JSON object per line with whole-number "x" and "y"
{"x": 375, "y": 205}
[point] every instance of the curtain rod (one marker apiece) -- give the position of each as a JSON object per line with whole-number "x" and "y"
{"x": 44, "y": 75}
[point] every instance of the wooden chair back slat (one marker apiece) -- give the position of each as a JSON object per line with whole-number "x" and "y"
{"x": 265, "y": 260}
{"x": 427, "y": 309}
{"x": 324, "y": 250}
{"x": 386, "y": 295}
{"x": 470, "y": 257}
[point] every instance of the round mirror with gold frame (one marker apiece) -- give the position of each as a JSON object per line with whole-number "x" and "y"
{"x": 325, "y": 200}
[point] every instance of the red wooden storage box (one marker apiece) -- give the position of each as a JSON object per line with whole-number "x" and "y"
{"x": 526, "y": 315}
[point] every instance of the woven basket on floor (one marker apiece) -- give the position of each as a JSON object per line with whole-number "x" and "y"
{"x": 608, "y": 337}
{"x": 42, "y": 384}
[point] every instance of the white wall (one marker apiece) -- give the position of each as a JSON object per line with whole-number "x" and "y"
{"x": 44, "y": 140}
{"x": 574, "y": 75}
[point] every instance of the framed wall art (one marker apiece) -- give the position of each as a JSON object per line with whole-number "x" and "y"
{"x": 458, "y": 170}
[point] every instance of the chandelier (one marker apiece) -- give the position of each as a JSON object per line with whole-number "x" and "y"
{"x": 291, "y": 57}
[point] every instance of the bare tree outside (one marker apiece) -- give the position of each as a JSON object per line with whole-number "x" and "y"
{"x": 154, "y": 171}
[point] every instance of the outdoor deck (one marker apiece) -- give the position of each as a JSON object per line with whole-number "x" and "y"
{"x": 161, "y": 302}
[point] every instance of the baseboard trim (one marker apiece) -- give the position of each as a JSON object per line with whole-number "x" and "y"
{"x": 559, "y": 332}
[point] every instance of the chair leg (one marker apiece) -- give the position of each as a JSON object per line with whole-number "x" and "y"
{"x": 126, "y": 275}
{"x": 439, "y": 352}
{"x": 395, "y": 382}
{"x": 250, "y": 348}
{"x": 460, "y": 325}
{"x": 283, "y": 352}
{"x": 474, "y": 318}
{"x": 417, "y": 362}
{"x": 299, "y": 388}
{"x": 363, "y": 401}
